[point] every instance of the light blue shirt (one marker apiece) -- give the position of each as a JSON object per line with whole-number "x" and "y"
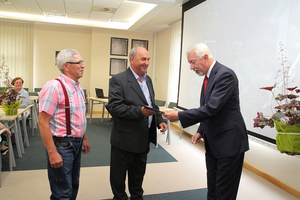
{"x": 24, "y": 101}
{"x": 145, "y": 90}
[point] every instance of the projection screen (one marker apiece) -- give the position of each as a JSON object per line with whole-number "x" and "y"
{"x": 244, "y": 36}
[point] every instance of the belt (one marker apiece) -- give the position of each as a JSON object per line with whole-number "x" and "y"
{"x": 67, "y": 138}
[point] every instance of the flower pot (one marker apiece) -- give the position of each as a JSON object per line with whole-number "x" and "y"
{"x": 288, "y": 142}
{"x": 11, "y": 111}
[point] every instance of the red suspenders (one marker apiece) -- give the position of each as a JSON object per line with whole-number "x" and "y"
{"x": 67, "y": 108}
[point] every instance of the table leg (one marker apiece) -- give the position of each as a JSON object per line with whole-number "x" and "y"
{"x": 91, "y": 114}
{"x": 25, "y": 129}
{"x": 19, "y": 133}
{"x": 168, "y": 139}
{"x": 31, "y": 114}
{"x": 103, "y": 109}
{"x": 12, "y": 162}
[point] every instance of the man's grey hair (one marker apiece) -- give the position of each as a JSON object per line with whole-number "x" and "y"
{"x": 64, "y": 56}
{"x": 200, "y": 49}
{"x": 133, "y": 52}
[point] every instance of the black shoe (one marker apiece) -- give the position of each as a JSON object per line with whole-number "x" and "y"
{"x": 4, "y": 152}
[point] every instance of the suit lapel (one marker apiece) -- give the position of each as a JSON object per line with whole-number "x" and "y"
{"x": 150, "y": 88}
{"x": 210, "y": 81}
{"x": 135, "y": 86}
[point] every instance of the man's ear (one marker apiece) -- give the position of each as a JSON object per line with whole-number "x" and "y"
{"x": 205, "y": 57}
{"x": 130, "y": 59}
{"x": 66, "y": 67}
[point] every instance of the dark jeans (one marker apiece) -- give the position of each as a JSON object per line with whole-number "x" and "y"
{"x": 64, "y": 181}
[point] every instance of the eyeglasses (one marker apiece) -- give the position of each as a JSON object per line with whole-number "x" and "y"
{"x": 77, "y": 63}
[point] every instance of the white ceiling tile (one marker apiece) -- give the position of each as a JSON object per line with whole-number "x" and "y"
{"x": 49, "y": 5}
{"x": 8, "y": 7}
{"x": 87, "y": 2}
{"x": 106, "y": 3}
{"x": 78, "y": 7}
{"x": 81, "y": 15}
{"x": 103, "y": 17}
{"x": 27, "y": 2}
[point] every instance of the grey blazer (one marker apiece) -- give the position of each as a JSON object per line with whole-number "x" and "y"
{"x": 130, "y": 130}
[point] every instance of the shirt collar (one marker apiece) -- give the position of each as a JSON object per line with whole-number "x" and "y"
{"x": 137, "y": 76}
{"x": 68, "y": 80}
{"x": 210, "y": 69}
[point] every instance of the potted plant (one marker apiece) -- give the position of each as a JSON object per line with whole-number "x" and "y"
{"x": 286, "y": 116}
{"x": 9, "y": 103}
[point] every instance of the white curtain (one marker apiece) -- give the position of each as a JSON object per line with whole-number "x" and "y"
{"x": 16, "y": 45}
{"x": 174, "y": 62}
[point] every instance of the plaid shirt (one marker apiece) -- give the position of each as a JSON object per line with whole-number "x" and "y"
{"x": 52, "y": 101}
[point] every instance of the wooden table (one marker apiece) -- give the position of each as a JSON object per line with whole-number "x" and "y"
{"x": 98, "y": 101}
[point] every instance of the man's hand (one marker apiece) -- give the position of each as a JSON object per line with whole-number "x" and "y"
{"x": 55, "y": 160}
{"x": 163, "y": 127}
{"x": 172, "y": 115}
{"x": 196, "y": 138}
{"x": 86, "y": 146}
{"x": 147, "y": 112}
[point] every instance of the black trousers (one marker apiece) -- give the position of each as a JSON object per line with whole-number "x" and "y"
{"x": 223, "y": 175}
{"x": 134, "y": 164}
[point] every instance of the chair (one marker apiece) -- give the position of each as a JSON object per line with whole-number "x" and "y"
{"x": 37, "y": 89}
{"x": 160, "y": 102}
{"x": 25, "y": 89}
{"x": 33, "y": 94}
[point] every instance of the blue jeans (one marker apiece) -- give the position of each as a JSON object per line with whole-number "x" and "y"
{"x": 64, "y": 181}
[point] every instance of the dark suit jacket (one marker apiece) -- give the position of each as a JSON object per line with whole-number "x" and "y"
{"x": 130, "y": 128}
{"x": 219, "y": 114}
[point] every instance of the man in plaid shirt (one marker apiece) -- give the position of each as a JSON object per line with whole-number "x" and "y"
{"x": 63, "y": 149}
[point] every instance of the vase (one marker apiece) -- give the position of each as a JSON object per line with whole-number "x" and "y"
{"x": 288, "y": 142}
{"x": 11, "y": 111}
{"x": 288, "y": 137}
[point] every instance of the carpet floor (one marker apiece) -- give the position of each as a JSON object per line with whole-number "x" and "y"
{"x": 99, "y": 138}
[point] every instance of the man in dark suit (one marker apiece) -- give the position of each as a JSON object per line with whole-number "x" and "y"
{"x": 134, "y": 126}
{"x": 222, "y": 126}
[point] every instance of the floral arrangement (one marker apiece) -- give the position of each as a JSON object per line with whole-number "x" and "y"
{"x": 287, "y": 112}
{"x": 8, "y": 95}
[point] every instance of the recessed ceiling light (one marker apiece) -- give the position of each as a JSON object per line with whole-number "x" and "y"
{"x": 56, "y": 15}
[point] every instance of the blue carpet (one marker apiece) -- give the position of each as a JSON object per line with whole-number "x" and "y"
{"x": 99, "y": 138}
{"x": 198, "y": 194}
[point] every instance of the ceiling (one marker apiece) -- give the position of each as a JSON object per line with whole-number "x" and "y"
{"x": 132, "y": 15}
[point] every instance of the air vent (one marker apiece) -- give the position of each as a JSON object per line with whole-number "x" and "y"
{"x": 102, "y": 9}
{"x": 7, "y": 1}
{"x": 118, "y": 21}
{"x": 54, "y": 14}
